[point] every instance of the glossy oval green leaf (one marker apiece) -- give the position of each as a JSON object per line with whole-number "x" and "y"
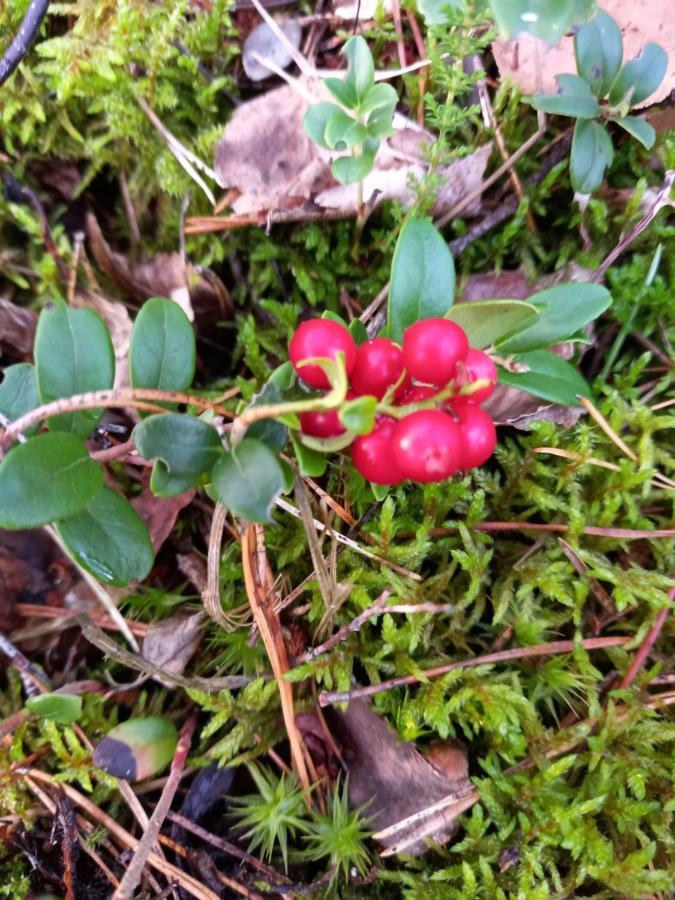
{"x": 310, "y": 462}
{"x": 598, "y": 47}
{"x": 574, "y": 98}
{"x": 163, "y": 351}
{"x": 640, "y": 77}
{"x": 563, "y": 311}
{"x": 47, "y": 478}
{"x": 547, "y": 376}
{"x": 380, "y": 95}
{"x": 546, "y": 19}
{"x": 485, "y": 321}
{"x": 187, "y": 447}
{"x": 381, "y": 121}
{"x": 316, "y": 121}
{"x": 348, "y": 169}
{"x": 19, "y": 393}
{"x": 422, "y": 281}
{"x": 62, "y": 708}
{"x": 73, "y": 355}
{"x": 343, "y": 133}
{"x": 358, "y": 331}
{"x": 358, "y": 415}
{"x": 361, "y": 71}
{"x": 638, "y": 128}
{"x": 138, "y": 748}
{"x": 343, "y": 91}
{"x": 592, "y": 152}
{"x": 109, "y": 539}
{"x": 248, "y": 479}
{"x": 269, "y": 431}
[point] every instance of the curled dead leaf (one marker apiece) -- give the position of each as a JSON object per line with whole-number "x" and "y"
{"x": 172, "y": 642}
{"x": 17, "y": 327}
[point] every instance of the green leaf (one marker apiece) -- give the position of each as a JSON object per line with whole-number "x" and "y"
{"x": 310, "y": 462}
{"x": 563, "y": 310}
{"x": 248, "y": 479}
{"x": 592, "y": 152}
{"x": 283, "y": 376}
{"x": 343, "y": 91}
{"x": 47, "y": 478}
{"x": 163, "y": 350}
{"x": 109, "y": 539}
{"x": 598, "y": 47}
{"x": 640, "y": 129}
{"x": 73, "y": 355}
{"x": 343, "y": 132}
{"x": 379, "y": 96}
{"x": 380, "y": 491}
{"x": 316, "y": 121}
{"x": 640, "y": 77}
{"x": 485, "y": 321}
{"x": 138, "y": 748}
{"x": 358, "y": 415}
{"x": 348, "y": 169}
{"x": 546, "y": 19}
{"x": 185, "y": 448}
{"x": 269, "y": 431}
{"x": 358, "y": 331}
{"x": 19, "y": 393}
{"x": 62, "y": 708}
{"x": 422, "y": 281}
{"x": 435, "y": 12}
{"x": 361, "y": 72}
{"x": 574, "y": 98}
{"x": 548, "y": 377}
{"x": 381, "y": 121}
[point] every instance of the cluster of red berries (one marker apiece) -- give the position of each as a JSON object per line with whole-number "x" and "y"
{"x": 426, "y": 444}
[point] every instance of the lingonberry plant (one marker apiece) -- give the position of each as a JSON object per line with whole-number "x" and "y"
{"x": 406, "y": 402}
{"x": 603, "y": 91}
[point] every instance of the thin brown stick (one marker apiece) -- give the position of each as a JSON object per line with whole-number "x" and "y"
{"x": 120, "y": 834}
{"x": 647, "y": 644}
{"x": 624, "y": 534}
{"x": 597, "y": 416}
{"x": 134, "y": 872}
{"x": 211, "y": 593}
{"x": 327, "y": 698}
{"x": 33, "y": 611}
{"x": 113, "y": 398}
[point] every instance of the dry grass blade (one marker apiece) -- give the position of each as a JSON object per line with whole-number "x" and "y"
{"x": 259, "y": 582}
{"x": 211, "y": 593}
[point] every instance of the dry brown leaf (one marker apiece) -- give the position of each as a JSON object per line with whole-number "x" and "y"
{"x": 171, "y": 643}
{"x": 160, "y": 513}
{"x": 392, "y": 776}
{"x": 266, "y": 156}
{"x": 533, "y": 64}
{"x": 17, "y": 327}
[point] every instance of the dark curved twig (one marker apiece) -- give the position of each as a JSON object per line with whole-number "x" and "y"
{"x": 24, "y": 38}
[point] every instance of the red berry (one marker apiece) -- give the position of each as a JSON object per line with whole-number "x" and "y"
{"x": 432, "y": 348}
{"x": 324, "y": 424}
{"x": 479, "y": 435}
{"x": 379, "y": 365}
{"x": 415, "y": 393}
{"x": 320, "y": 337}
{"x": 373, "y": 457}
{"x": 427, "y": 445}
{"x": 479, "y": 366}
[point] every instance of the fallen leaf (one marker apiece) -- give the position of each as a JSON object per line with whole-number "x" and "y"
{"x": 532, "y": 64}
{"x": 263, "y": 43}
{"x": 160, "y": 513}
{"x": 17, "y": 327}
{"x": 392, "y": 777}
{"x": 195, "y": 289}
{"x": 270, "y": 162}
{"x": 172, "y": 642}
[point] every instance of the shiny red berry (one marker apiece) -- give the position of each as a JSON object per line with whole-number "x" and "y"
{"x": 379, "y": 365}
{"x": 373, "y": 457}
{"x": 432, "y": 348}
{"x": 479, "y": 366}
{"x": 427, "y": 445}
{"x": 415, "y": 393}
{"x": 324, "y": 424}
{"x": 478, "y": 434}
{"x": 320, "y": 337}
